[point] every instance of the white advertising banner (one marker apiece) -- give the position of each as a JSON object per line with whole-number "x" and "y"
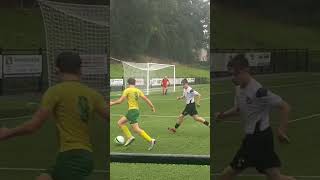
{"x": 220, "y": 60}
{"x": 153, "y": 81}
{"x": 22, "y": 65}
{"x": 116, "y": 82}
{"x": 94, "y": 64}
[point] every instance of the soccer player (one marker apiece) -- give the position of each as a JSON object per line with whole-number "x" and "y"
{"x": 132, "y": 94}
{"x": 189, "y": 95}
{"x": 253, "y": 102}
{"x": 72, "y": 105}
{"x": 165, "y": 83}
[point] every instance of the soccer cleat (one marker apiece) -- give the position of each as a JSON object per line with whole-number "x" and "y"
{"x": 129, "y": 141}
{"x": 152, "y": 143}
{"x": 172, "y": 130}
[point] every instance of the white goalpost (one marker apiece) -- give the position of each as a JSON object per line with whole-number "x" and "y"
{"x": 80, "y": 28}
{"x": 149, "y": 75}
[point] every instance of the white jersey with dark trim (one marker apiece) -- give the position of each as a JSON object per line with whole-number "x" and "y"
{"x": 189, "y": 94}
{"x": 254, "y": 103}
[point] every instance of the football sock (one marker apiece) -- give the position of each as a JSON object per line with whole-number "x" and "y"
{"x": 145, "y": 136}
{"x": 177, "y": 125}
{"x": 126, "y": 131}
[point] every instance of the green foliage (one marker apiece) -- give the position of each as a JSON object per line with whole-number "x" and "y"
{"x": 167, "y": 29}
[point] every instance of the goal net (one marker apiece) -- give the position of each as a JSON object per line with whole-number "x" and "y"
{"x": 80, "y": 28}
{"x": 149, "y": 75}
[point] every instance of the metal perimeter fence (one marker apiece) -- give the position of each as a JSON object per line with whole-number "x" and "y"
{"x": 271, "y": 60}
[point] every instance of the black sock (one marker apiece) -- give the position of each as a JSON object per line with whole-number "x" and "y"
{"x": 206, "y": 123}
{"x": 177, "y": 125}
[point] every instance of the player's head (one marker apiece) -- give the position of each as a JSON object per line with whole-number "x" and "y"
{"x": 166, "y": 77}
{"x": 68, "y": 63}
{"x": 131, "y": 81}
{"x": 238, "y": 66}
{"x": 185, "y": 83}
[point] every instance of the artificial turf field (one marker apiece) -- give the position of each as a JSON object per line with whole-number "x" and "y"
{"x": 191, "y": 137}
{"x": 301, "y": 157}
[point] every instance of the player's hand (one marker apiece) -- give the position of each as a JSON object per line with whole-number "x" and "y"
{"x": 282, "y": 135}
{"x": 111, "y": 103}
{"x": 178, "y": 98}
{"x": 153, "y": 109}
{"x": 4, "y": 132}
{"x": 198, "y": 104}
{"x": 219, "y": 116}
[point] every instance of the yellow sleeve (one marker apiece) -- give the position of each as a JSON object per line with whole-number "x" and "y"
{"x": 49, "y": 99}
{"x": 140, "y": 93}
{"x": 125, "y": 93}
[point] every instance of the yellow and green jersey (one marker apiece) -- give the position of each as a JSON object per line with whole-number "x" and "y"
{"x": 73, "y": 105}
{"x": 133, "y": 95}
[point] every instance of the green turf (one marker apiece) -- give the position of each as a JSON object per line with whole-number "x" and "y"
{"x": 191, "y": 138}
{"x": 158, "y": 172}
{"x": 301, "y": 91}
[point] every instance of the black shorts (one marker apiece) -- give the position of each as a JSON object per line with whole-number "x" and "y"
{"x": 257, "y": 150}
{"x": 190, "y": 109}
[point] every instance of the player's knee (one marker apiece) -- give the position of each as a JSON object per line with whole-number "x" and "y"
{"x": 137, "y": 130}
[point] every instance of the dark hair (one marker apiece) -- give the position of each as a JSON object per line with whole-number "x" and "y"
{"x": 238, "y": 62}
{"x": 184, "y": 81}
{"x": 69, "y": 62}
{"x": 131, "y": 81}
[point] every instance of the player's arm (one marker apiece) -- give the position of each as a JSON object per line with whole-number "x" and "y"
{"x": 180, "y": 97}
{"x": 197, "y": 97}
{"x": 234, "y": 111}
{"x": 147, "y": 100}
{"x": 118, "y": 101}
{"x": 284, "y": 122}
{"x": 28, "y": 127}
{"x": 272, "y": 100}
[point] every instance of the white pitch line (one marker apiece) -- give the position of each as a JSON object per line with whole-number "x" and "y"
{"x": 290, "y": 121}
{"x": 15, "y": 118}
{"x": 158, "y": 116}
{"x": 40, "y": 169}
{"x": 278, "y": 86}
{"x": 304, "y": 118}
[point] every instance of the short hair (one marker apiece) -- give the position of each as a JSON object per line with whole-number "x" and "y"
{"x": 239, "y": 62}
{"x": 131, "y": 81}
{"x": 184, "y": 81}
{"x": 69, "y": 62}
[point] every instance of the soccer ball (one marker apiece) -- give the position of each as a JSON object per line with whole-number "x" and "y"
{"x": 119, "y": 140}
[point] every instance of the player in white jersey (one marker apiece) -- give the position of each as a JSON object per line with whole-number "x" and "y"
{"x": 190, "y": 96}
{"x": 253, "y": 103}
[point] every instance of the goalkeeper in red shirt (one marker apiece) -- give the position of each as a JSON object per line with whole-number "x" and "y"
{"x": 165, "y": 83}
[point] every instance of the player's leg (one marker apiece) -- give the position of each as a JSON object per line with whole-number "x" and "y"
{"x": 229, "y": 173}
{"x": 200, "y": 119}
{"x": 163, "y": 90}
{"x": 166, "y": 90}
{"x": 274, "y": 174}
{"x": 44, "y": 176}
{"x": 143, "y": 134}
{"x": 180, "y": 120}
{"x": 122, "y": 125}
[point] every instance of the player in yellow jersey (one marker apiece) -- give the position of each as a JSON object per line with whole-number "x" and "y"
{"x": 132, "y": 94}
{"x": 72, "y": 105}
